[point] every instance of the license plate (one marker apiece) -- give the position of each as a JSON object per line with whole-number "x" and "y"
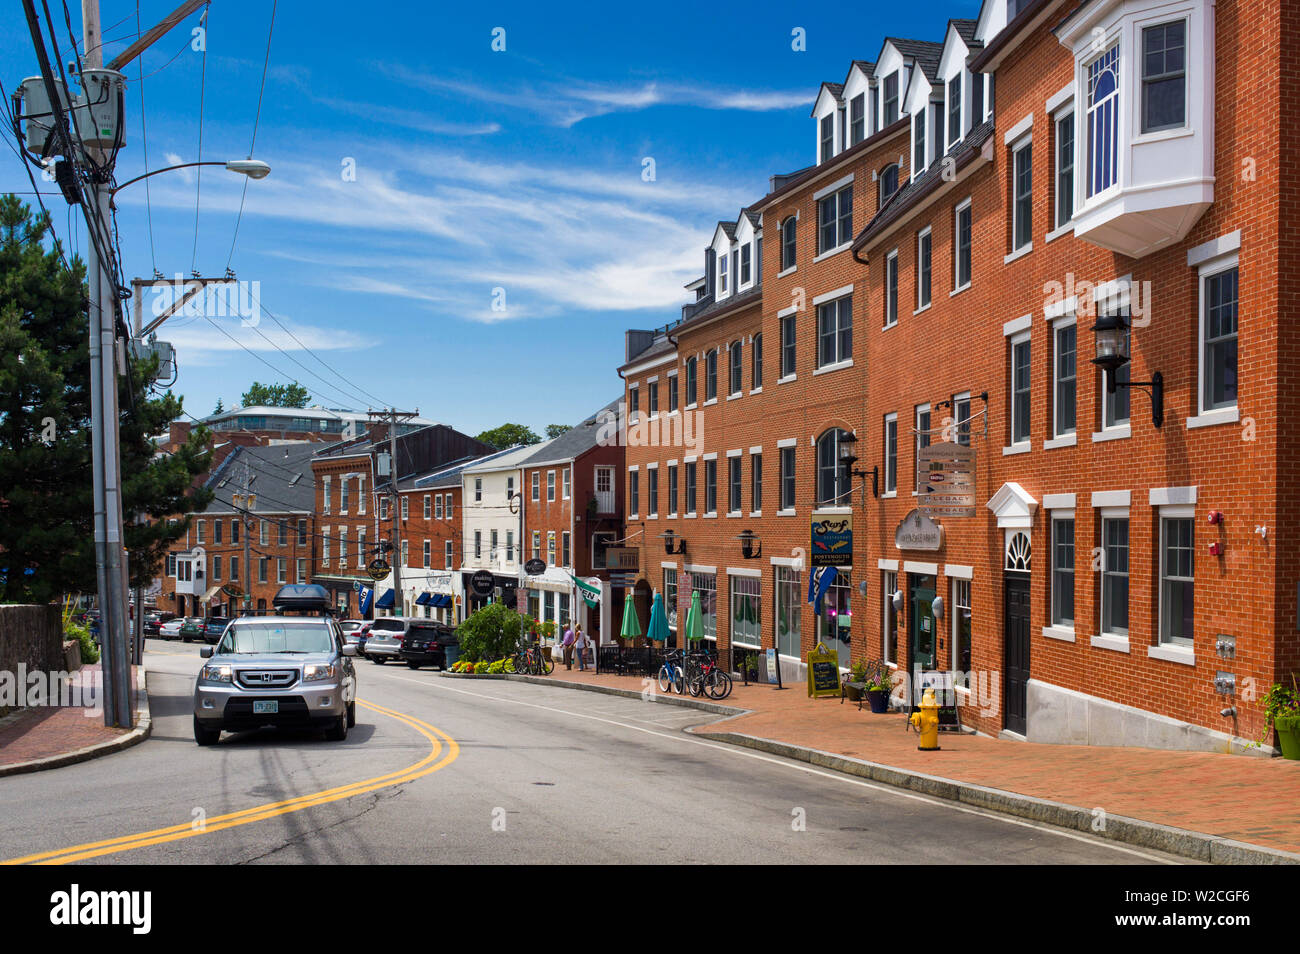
{"x": 266, "y": 706}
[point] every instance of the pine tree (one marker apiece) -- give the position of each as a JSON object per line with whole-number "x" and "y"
{"x": 46, "y": 518}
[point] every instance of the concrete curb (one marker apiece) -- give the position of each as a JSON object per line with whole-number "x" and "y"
{"x": 1133, "y": 831}
{"x": 1198, "y": 846}
{"x": 143, "y": 729}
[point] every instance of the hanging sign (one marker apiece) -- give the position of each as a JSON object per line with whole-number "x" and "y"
{"x": 823, "y": 672}
{"x": 945, "y": 477}
{"x": 535, "y": 567}
{"x": 233, "y": 590}
{"x": 832, "y": 540}
{"x": 378, "y": 569}
{"x": 918, "y": 532}
{"x": 482, "y": 583}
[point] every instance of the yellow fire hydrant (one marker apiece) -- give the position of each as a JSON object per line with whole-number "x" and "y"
{"x": 926, "y": 721}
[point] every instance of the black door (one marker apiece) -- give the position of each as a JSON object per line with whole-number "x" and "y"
{"x": 1016, "y": 643}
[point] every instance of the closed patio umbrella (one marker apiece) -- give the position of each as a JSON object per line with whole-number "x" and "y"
{"x": 695, "y": 618}
{"x": 658, "y": 630}
{"x": 631, "y": 625}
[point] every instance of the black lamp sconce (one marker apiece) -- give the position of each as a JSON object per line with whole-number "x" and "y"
{"x": 669, "y": 538}
{"x": 747, "y": 540}
{"x": 1112, "y": 337}
{"x": 847, "y": 445}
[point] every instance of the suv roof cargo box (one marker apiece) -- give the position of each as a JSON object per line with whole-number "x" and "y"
{"x": 303, "y": 597}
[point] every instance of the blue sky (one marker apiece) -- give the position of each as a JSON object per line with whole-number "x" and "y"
{"x": 475, "y": 170}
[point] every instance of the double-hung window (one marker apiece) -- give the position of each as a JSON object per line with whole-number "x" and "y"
{"x": 634, "y": 492}
{"x": 891, "y": 453}
{"x": 962, "y": 246}
{"x": 835, "y": 331}
{"x": 1103, "y": 121}
{"x": 746, "y": 251}
{"x": 922, "y": 427}
{"x": 672, "y": 393}
{"x": 788, "y": 230}
{"x": 733, "y": 484}
{"x": 1020, "y": 393}
{"x": 537, "y": 485}
{"x": 755, "y": 482}
{"x": 691, "y": 471}
{"x": 787, "y": 345}
{"x": 891, "y": 288}
{"x": 835, "y": 220}
{"x": 722, "y": 273}
{"x": 924, "y": 254}
{"x": 1023, "y": 205}
{"x": 652, "y": 488}
{"x": 1064, "y": 169}
{"x": 692, "y": 367}
{"x": 672, "y": 490}
{"x": 1063, "y": 572}
{"x": 756, "y": 359}
{"x": 735, "y": 357}
{"x": 827, "y": 137}
{"x": 1164, "y": 76}
{"x": 652, "y": 398}
{"x": 857, "y": 119}
{"x": 833, "y": 485}
{"x": 1064, "y": 370}
{"x": 711, "y": 486}
{"x": 787, "y": 478}
{"x": 954, "y": 110}
{"x": 711, "y": 375}
{"x": 1114, "y": 576}
{"x": 918, "y": 143}
{"x": 1177, "y": 593}
{"x": 890, "y": 108}
{"x": 1219, "y": 338}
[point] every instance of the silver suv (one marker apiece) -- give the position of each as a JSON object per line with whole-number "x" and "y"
{"x": 384, "y": 641}
{"x": 276, "y": 670}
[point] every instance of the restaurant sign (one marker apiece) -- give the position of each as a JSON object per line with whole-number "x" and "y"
{"x": 832, "y": 540}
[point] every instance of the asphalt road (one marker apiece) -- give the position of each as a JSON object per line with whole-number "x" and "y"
{"x": 463, "y": 771}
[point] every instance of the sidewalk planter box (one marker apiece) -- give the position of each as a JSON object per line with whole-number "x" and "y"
{"x": 1288, "y": 736}
{"x": 879, "y": 700}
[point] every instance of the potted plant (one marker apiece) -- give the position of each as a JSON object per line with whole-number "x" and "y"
{"x": 878, "y": 689}
{"x": 1282, "y": 712}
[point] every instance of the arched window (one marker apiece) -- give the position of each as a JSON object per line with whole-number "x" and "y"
{"x": 832, "y": 482}
{"x": 888, "y": 182}
{"x": 787, "y": 242}
{"x": 691, "y": 381}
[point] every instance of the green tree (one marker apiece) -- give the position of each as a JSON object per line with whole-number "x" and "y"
{"x": 491, "y": 633}
{"x": 275, "y": 395}
{"x": 555, "y": 430}
{"x": 219, "y": 408}
{"x": 46, "y": 519}
{"x": 508, "y": 435}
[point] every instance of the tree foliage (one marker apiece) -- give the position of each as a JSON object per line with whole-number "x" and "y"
{"x": 555, "y": 430}
{"x": 491, "y": 633}
{"x": 508, "y": 435}
{"x": 275, "y": 395}
{"x": 46, "y": 506}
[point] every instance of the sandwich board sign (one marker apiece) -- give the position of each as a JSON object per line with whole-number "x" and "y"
{"x": 823, "y": 672}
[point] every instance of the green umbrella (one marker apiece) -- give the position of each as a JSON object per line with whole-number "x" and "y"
{"x": 695, "y": 618}
{"x": 658, "y": 629}
{"x": 631, "y": 625}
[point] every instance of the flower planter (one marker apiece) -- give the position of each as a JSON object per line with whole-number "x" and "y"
{"x": 879, "y": 700}
{"x": 1288, "y": 736}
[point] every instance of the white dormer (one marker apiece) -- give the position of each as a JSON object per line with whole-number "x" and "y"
{"x": 746, "y": 245}
{"x": 722, "y": 247}
{"x": 829, "y": 129}
{"x": 926, "y": 112}
{"x": 857, "y": 99}
{"x": 891, "y": 74}
{"x": 994, "y": 15}
{"x": 956, "y": 86}
{"x": 1144, "y": 120}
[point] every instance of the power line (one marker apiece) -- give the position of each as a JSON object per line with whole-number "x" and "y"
{"x": 257, "y": 118}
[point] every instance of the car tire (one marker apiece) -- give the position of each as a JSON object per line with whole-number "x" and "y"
{"x": 377, "y": 660}
{"x": 205, "y": 736}
{"x": 412, "y": 664}
{"x": 352, "y": 713}
{"x": 338, "y": 730}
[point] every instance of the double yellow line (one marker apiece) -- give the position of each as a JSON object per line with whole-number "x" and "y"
{"x": 443, "y": 752}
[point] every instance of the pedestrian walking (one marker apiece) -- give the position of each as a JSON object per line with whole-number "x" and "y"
{"x": 581, "y": 642}
{"x": 568, "y": 647}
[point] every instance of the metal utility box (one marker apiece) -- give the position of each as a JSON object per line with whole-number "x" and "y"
{"x": 99, "y": 109}
{"x": 32, "y": 103}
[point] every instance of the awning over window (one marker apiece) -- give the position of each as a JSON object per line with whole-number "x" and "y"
{"x": 385, "y": 601}
{"x": 424, "y": 599}
{"x": 440, "y": 600}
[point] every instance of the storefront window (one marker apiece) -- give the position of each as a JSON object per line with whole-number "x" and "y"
{"x": 706, "y": 584}
{"x": 670, "y": 597}
{"x": 788, "y": 604}
{"x": 961, "y": 625}
{"x": 835, "y": 624}
{"x": 890, "y": 616}
{"x": 745, "y": 617}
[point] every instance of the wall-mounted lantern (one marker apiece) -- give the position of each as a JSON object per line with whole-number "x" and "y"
{"x": 848, "y": 457}
{"x": 747, "y": 540}
{"x": 673, "y": 543}
{"x": 1111, "y": 333}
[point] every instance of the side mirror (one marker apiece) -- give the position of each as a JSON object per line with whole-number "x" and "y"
{"x": 205, "y": 652}
{"x": 349, "y": 649}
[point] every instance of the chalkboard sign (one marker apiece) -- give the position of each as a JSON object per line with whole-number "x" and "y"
{"x": 823, "y": 672}
{"x": 944, "y": 694}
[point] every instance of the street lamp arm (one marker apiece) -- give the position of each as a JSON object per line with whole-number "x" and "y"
{"x": 253, "y": 168}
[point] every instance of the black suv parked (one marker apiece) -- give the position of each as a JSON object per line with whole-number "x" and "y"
{"x": 425, "y": 642}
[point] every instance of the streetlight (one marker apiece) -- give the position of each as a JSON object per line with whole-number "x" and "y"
{"x": 1111, "y": 334}
{"x": 847, "y": 445}
{"x": 253, "y": 168}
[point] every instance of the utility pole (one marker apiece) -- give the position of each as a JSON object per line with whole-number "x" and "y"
{"x": 394, "y": 543}
{"x": 244, "y": 503}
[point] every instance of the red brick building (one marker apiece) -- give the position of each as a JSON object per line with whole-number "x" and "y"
{"x": 1124, "y": 577}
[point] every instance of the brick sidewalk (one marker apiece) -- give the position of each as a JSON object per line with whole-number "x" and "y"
{"x": 49, "y": 731}
{"x": 1255, "y": 800}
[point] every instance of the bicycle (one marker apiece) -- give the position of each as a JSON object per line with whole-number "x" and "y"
{"x": 671, "y": 674}
{"x": 532, "y": 661}
{"x": 709, "y": 677}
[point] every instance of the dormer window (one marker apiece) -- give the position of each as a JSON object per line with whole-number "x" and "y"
{"x": 954, "y": 110}
{"x": 858, "y": 119}
{"x": 888, "y": 182}
{"x": 722, "y": 274}
{"x": 745, "y": 264}
{"x": 918, "y": 144}
{"x": 827, "y": 137}
{"x": 891, "y": 99}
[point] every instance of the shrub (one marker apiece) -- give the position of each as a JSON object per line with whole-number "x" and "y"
{"x": 81, "y": 633}
{"x": 490, "y": 633}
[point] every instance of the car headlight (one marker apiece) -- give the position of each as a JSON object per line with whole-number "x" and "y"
{"x": 215, "y": 674}
{"x": 316, "y": 673}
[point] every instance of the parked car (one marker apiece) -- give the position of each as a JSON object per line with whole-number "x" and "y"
{"x": 171, "y": 629}
{"x": 279, "y": 670}
{"x": 192, "y": 628}
{"x": 213, "y": 627}
{"x": 352, "y": 632}
{"x": 384, "y": 641}
{"x": 424, "y": 643}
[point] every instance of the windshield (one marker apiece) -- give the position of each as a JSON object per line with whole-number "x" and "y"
{"x": 393, "y": 625}
{"x": 283, "y": 637}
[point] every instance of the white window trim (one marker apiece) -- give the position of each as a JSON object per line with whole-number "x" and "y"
{"x": 1022, "y": 446}
{"x": 956, "y": 218}
{"x": 890, "y": 417}
{"x": 833, "y": 187}
{"x": 1071, "y": 437}
{"x": 1206, "y": 417}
